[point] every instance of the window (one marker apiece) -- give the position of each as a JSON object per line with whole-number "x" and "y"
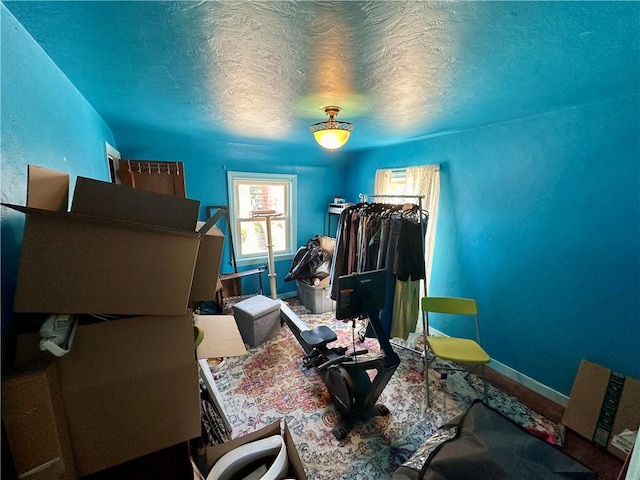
{"x": 398, "y": 183}
{"x": 254, "y": 192}
{"x": 421, "y": 180}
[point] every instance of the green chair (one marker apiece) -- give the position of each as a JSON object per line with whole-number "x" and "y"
{"x": 465, "y": 352}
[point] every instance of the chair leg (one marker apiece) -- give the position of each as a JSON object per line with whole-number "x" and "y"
{"x": 427, "y": 362}
{"x": 425, "y": 332}
{"x": 426, "y": 380}
{"x": 484, "y": 383}
{"x": 484, "y": 378}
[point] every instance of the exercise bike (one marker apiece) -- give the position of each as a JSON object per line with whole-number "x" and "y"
{"x": 353, "y": 391}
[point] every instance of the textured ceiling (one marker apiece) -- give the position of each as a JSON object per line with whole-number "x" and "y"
{"x": 260, "y": 72}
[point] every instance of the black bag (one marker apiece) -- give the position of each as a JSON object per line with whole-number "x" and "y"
{"x": 309, "y": 262}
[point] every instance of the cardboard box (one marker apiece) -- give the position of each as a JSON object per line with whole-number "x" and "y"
{"x": 315, "y": 299}
{"x": 221, "y": 337}
{"x": 602, "y": 405}
{"x": 35, "y": 423}
{"x": 205, "y": 276}
{"x": 120, "y": 250}
{"x": 295, "y": 471}
{"x": 47, "y": 189}
{"x": 130, "y": 387}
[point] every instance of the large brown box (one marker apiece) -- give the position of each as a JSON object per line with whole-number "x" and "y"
{"x": 120, "y": 250}
{"x": 130, "y": 387}
{"x": 602, "y": 404}
{"x": 35, "y": 423}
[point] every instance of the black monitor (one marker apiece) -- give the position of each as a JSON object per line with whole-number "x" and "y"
{"x": 360, "y": 293}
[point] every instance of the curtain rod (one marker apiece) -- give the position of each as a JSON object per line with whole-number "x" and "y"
{"x": 363, "y": 196}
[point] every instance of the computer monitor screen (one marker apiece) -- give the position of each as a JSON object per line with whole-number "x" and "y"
{"x": 359, "y": 293}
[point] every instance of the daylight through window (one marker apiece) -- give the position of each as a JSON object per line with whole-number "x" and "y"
{"x": 251, "y": 193}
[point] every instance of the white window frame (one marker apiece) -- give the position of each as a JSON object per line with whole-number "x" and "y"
{"x": 290, "y": 217}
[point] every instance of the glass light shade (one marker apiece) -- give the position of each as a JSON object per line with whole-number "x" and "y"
{"x": 331, "y": 138}
{"x": 331, "y": 134}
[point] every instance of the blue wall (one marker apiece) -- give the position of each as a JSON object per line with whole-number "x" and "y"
{"x": 206, "y": 164}
{"x": 539, "y": 220}
{"x": 45, "y": 121}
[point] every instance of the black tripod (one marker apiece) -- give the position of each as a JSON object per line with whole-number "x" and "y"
{"x": 346, "y": 375}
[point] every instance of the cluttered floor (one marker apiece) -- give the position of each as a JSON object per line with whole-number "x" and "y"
{"x": 270, "y": 383}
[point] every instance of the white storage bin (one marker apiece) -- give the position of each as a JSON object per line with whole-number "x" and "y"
{"x": 315, "y": 299}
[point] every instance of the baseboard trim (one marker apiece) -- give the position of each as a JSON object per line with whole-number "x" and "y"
{"x": 521, "y": 378}
{"x": 287, "y": 295}
{"x": 530, "y": 383}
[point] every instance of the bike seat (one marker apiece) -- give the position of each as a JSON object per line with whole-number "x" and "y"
{"x": 318, "y": 336}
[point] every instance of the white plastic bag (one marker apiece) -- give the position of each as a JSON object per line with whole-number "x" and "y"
{"x": 57, "y": 334}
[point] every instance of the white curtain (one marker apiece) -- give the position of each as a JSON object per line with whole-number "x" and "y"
{"x": 382, "y": 185}
{"x": 421, "y": 180}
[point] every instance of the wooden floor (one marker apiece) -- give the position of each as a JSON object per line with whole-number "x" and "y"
{"x": 605, "y": 464}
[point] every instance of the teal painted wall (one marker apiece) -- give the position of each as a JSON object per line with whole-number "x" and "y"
{"x": 539, "y": 217}
{"x": 206, "y": 164}
{"x": 44, "y": 121}
{"x": 47, "y": 122}
{"x": 539, "y": 220}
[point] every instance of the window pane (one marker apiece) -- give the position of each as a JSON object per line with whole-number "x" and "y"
{"x": 253, "y": 236}
{"x": 255, "y": 192}
{"x": 398, "y": 184}
{"x": 279, "y": 234}
{"x": 261, "y": 196}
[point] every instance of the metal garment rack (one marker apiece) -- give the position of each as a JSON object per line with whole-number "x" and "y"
{"x": 364, "y": 198}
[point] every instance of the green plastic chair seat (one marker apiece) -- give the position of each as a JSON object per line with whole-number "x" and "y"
{"x": 460, "y": 350}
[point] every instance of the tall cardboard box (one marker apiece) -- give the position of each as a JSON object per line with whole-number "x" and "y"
{"x": 205, "y": 275}
{"x": 120, "y": 250}
{"x": 602, "y": 404}
{"x": 35, "y": 423}
{"x": 130, "y": 387}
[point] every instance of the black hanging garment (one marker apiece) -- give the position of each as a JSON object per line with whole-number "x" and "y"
{"x": 371, "y": 236}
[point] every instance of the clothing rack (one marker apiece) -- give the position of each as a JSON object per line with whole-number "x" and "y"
{"x": 364, "y": 198}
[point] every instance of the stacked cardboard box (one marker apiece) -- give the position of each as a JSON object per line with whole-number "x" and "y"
{"x": 129, "y": 386}
{"x": 603, "y": 406}
{"x": 33, "y": 416}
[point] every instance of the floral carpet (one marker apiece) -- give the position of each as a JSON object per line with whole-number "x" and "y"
{"x": 270, "y": 383}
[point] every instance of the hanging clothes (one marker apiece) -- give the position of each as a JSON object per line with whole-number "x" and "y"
{"x": 406, "y": 308}
{"x": 373, "y": 236}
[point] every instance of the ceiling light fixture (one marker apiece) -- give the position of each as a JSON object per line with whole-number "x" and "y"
{"x": 331, "y": 134}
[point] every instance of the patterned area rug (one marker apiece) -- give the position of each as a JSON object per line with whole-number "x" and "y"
{"x": 270, "y": 383}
